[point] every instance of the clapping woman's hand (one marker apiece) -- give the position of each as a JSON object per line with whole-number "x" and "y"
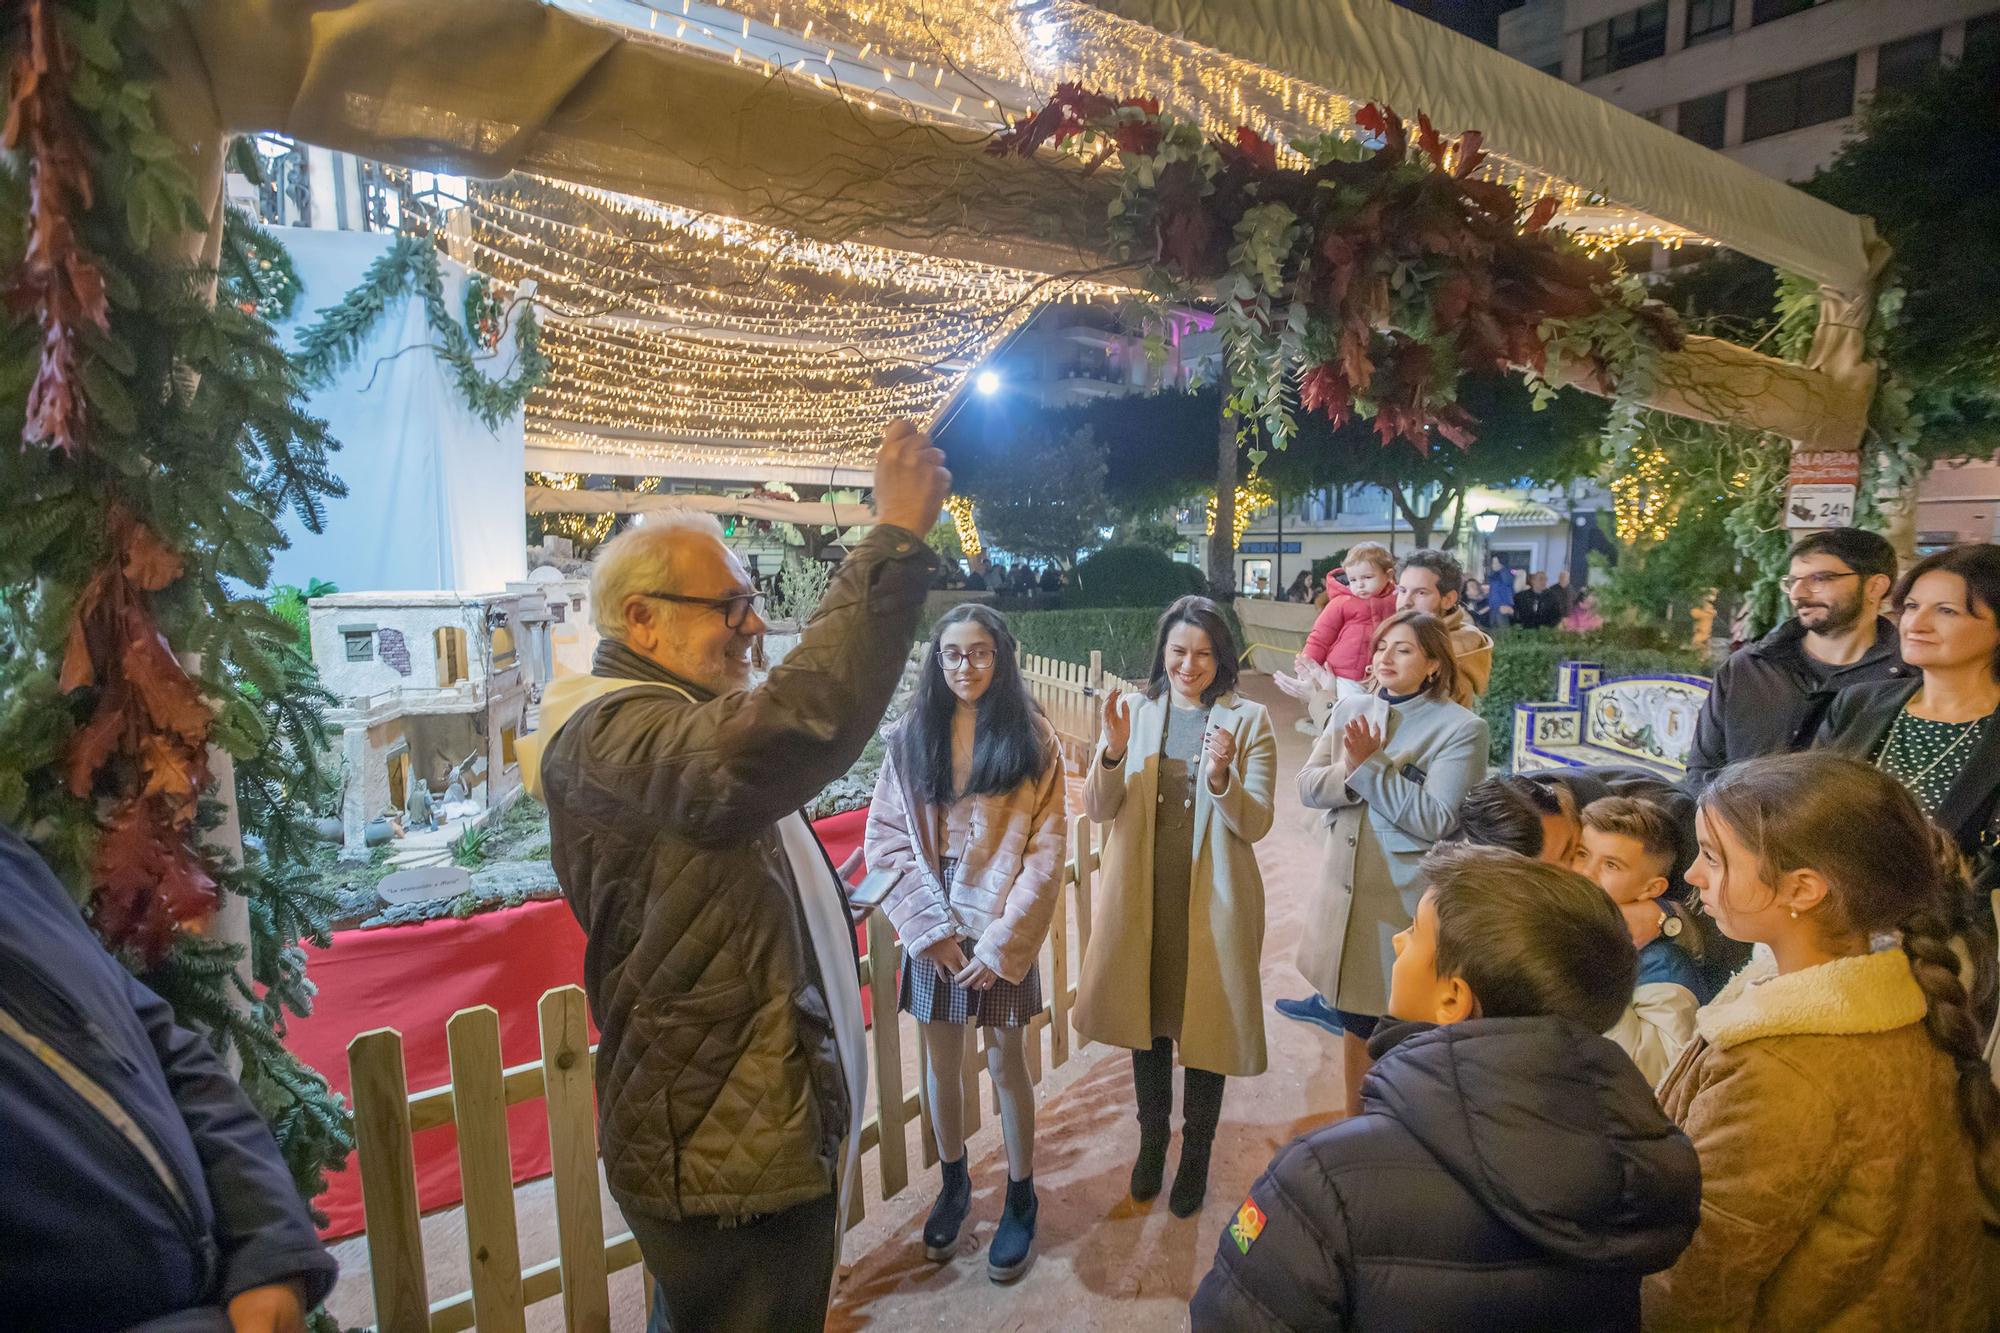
{"x": 1220, "y": 745}
{"x": 1358, "y": 743}
{"x": 1117, "y": 725}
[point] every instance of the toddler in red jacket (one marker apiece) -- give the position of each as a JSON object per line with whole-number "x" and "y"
{"x": 1338, "y": 649}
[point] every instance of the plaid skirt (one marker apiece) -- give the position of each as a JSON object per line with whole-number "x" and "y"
{"x": 928, "y": 995}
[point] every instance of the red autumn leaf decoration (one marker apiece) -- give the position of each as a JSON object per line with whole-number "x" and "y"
{"x": 57, "y": 278}
{"x": 1487, "y": 276}
{"x": 144, "y": 747}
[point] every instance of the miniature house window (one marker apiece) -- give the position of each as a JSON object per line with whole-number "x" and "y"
{"x": 360, "y": 642}
{"x": 450, "y": 644}
{"x": 507, "y": 755}
{"x": 558, "y": 613}
{"x": 503, "y": 648}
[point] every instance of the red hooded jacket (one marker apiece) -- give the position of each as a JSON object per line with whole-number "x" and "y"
{"x": 1343, "y": 638}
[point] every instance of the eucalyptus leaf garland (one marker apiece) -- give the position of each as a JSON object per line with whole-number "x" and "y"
{"x": 410, "y": 265}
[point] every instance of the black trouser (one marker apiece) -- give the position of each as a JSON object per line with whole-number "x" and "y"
{"x": 773, "y": 1272}
{"x": 1201, "y": 1095}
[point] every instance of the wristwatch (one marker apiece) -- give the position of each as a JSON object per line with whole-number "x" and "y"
{"x": 1672, "y": 925}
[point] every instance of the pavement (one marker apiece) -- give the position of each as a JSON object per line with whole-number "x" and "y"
{"x": 1102, "y": 1261}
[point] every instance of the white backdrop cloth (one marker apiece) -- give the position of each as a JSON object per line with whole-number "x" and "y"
{"x": 434, "y": 497}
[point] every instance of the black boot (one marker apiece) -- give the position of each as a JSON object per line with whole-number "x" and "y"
{"x": 1014, "y": 1243}
{"x": 1202, "y": 1098}
{"x": 954, "y": 1201}
{"x": 1190, "y": 1177}
{"x": 1153, "y": 1081}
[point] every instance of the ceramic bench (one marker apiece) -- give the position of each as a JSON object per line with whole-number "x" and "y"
{"x": 1646, "y": 721}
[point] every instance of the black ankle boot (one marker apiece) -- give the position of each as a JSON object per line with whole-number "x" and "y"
{"x": 954, "y": 1201}
{"x": 1014, "y": 1243}
{"x": 1190, "y": 1177}
{"x": 1151, "y": 1168}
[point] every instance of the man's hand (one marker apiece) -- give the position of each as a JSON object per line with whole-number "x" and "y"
{"x": 1643, "y": 919}
{"x": 911, "y": 480}
{"x": 278, "y": 1308}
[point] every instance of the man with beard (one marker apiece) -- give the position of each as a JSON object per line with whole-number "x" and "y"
{"x": 1770, "y": 697}
{"x": 720, "y": 959}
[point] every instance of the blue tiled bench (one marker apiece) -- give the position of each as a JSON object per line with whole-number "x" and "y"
{"x": 1646, "y": 721}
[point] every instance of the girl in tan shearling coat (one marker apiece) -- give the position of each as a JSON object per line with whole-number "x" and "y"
{"x": 1835, "y": 1091}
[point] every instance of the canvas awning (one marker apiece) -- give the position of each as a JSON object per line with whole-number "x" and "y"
{"x": 486, "y": 87}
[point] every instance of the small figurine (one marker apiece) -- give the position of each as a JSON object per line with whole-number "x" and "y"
{"x": 419, "y": 812}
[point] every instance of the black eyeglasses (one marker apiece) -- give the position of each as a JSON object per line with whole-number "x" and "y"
{"x": 1813, "y": 582}
{"x": 736, "y": 610}
{"x": 979, "y": 659}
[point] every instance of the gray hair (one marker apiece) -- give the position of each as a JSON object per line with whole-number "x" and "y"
{"x": 641, "y": 559}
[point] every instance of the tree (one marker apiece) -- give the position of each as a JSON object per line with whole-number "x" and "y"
{"x": 1049, "y": 502}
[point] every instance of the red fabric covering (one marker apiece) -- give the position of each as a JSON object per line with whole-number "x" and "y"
{"x": 414, "y": 978}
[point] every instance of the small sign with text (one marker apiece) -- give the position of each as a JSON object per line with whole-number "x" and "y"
{"x": 1822, "y": 489}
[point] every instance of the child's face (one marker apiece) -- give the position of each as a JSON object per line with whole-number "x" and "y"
{"x": 1416, "y": 992}
{"x": 1366, "y": 580}
{"x": 1619, "y": 864}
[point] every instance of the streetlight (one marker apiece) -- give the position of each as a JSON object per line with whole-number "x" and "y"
{"x": 987, "y": 382}
{"x": 1487, "y": 522}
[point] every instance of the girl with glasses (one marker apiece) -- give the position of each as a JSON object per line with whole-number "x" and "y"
{"x": 968, "y": 821}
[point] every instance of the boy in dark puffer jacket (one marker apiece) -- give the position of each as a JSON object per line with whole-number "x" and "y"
{"x": 1510, "y": 1168}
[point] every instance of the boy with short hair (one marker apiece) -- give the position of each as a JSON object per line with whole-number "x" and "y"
{"x": 1510, "y": 1168}
{"x": 1629, "y": 849}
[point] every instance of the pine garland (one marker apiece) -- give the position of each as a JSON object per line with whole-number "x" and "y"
{"x": 411, "y": 265}
{"x": 176, "y": 436}
{"x": 257, "y": 272}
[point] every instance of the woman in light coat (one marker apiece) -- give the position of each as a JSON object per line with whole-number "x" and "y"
{"x": 967, "y": 824}
{"x": 1184, "y": 778}
{"x": 1390, "y": 771}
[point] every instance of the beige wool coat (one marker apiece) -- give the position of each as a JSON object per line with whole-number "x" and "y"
{"x": 1839, "y": 1189}
{"x": 1223, "y": 1028}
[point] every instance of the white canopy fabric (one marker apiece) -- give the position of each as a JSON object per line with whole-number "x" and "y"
{"x": 1372, "y": 50}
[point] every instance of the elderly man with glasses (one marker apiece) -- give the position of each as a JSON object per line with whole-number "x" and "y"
{"x": 1770, "y": 697}
{"x": 720, "y": 961}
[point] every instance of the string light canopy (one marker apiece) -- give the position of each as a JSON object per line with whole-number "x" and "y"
{"x": 682, "y": 337}
{"x": 979, "y": 63}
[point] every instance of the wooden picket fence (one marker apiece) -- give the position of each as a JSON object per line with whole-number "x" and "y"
{"x": 387, "y": 1115}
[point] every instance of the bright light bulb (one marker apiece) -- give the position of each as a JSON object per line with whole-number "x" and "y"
{"x": 988, "y": 382}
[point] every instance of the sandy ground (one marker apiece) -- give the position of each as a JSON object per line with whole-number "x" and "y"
{"x": 1103, "y": 1261}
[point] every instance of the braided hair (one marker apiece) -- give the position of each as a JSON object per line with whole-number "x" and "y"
{"x": 1891, "y": 872}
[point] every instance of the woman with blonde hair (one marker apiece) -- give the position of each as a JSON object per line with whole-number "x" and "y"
{"x": 1389, "y": 770}
{"x": 1183, "y": 775}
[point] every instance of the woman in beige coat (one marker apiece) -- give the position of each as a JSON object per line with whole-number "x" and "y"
{"x": 967, "y": 828}
{"x": 1835, "y": 1090}
{"x": 1184, "y": 777}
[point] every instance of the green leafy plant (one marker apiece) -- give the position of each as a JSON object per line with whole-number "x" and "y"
{"x": 468, "y": 849}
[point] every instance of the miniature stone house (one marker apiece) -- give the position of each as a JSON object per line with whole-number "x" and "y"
{"x": 434, "y": 685}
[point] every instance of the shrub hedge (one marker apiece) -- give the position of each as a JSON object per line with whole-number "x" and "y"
{"x": 1525, "y": 661}
{"x": 1129, "y": 576}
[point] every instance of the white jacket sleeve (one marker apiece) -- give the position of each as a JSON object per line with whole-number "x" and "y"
{"x": 1655, "y": 1027}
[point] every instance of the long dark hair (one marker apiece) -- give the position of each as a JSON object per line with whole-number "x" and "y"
{"x": 1978, "y": 563}
{"x": 1011, "y": 743}
{"x": 1207, "y": 617}
{"x": 1890, "y": 870}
